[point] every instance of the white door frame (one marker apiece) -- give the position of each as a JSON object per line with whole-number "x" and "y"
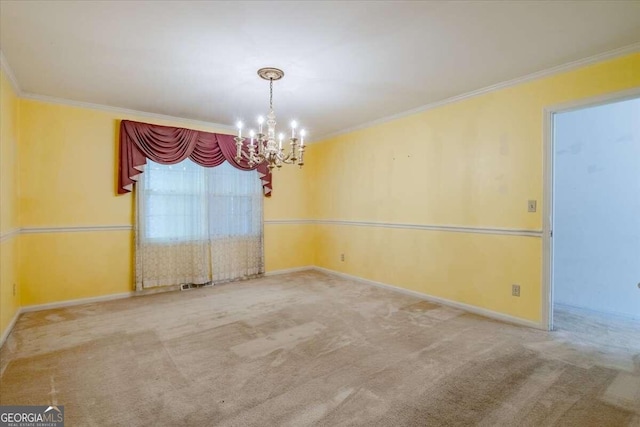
{"x": 547, "y": 190}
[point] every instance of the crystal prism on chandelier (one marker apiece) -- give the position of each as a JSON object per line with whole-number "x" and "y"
{"x": 263, "y": 147}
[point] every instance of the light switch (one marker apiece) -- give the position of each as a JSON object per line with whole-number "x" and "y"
{"x": 532, "y": 205}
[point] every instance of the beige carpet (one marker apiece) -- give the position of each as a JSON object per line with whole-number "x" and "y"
{"x": 312, "y": 349}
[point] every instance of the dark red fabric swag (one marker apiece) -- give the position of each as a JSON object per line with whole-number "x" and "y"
{"x": 169, "y": 145}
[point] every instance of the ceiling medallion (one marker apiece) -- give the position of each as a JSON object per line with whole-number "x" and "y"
{"x": 270, "y": 73}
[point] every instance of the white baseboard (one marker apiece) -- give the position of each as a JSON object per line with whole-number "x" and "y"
{"x": 443, "y": 301}
{"x": 70, "y": 303}
{"x": 10, "y": 326}
{"x": 589, "y": 311}
{"x": 289, "y": 270}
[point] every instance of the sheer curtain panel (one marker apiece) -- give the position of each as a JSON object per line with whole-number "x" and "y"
{"x": 197, "y": 224}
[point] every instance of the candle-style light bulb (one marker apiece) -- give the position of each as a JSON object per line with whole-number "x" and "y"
{"x": 260, "y": 122}
{"x": 294, "y": 125}
{"x": 252, "y": 134}
{"x": 239, "y": 125}
{"x": 281, "y": 137}
{"x": 302, "y": 134}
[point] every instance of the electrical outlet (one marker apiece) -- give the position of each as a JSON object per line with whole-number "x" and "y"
{"x": 532, "y": 205}
{"x": 342, "y": 257}
{"x": 515, "y": 290}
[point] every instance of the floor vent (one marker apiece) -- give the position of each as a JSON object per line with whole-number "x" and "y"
{"x": 187, "y": 286}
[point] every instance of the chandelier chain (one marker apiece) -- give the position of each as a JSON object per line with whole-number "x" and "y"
{"x": 271, "y": 94}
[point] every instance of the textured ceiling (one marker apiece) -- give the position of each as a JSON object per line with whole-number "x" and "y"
{"x": 346, "y": 63}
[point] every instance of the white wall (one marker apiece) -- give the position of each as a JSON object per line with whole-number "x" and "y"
{"x": 597, "y": 208}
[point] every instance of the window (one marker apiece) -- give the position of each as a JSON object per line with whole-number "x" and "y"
{"x": 187, "y": 202}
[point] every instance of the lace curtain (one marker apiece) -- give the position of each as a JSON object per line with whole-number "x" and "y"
{"x": 197, "y": 224}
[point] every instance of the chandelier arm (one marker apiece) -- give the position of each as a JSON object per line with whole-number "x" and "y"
{"x": 294, "y": 147}
{"x": 289, "y": 159}
{"x": 286, "y": 159}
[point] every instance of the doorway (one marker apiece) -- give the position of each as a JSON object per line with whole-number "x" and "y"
{"x": 592, "y": 213}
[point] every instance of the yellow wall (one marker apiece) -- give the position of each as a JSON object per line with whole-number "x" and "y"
{"x": 290, "y": 244}
{"x": 9, "y": 219}
{"x": 68, "y": 178}
{"x": 471, "y": 163}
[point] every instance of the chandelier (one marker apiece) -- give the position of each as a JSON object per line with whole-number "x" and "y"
{"x": 263, "y": 147}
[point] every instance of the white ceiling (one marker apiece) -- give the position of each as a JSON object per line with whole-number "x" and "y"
{"x": 346, "y": 63}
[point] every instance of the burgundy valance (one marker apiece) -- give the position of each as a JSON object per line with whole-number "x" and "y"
{"x": 169, "y": 145}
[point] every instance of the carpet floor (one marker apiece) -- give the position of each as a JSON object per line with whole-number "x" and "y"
{"x": 312, "y": 349}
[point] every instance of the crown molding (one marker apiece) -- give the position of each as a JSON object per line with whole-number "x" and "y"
{"x": 625, "y": 50}
{"x": 100, "y": 107}
{"x": 4, "y": 64}
{"x": 124, "y": 111}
